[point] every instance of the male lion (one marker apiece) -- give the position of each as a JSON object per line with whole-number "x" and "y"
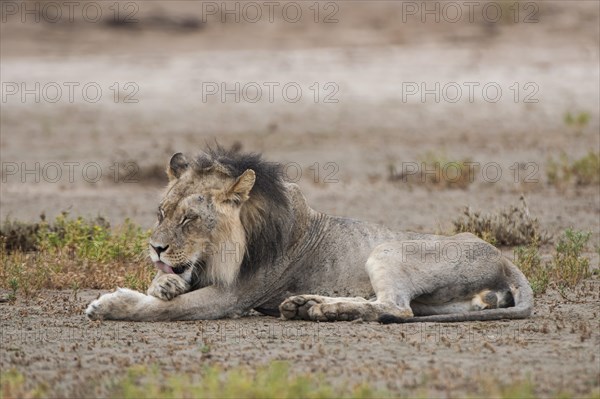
{"x": 233, "y": 236}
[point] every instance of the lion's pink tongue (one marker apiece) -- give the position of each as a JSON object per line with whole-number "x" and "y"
{"x": 164, "y": 267}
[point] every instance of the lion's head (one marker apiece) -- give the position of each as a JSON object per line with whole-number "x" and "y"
{"x": 223, "y": 212}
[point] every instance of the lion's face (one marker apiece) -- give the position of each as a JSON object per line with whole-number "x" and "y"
{"x": 199, "y": 235}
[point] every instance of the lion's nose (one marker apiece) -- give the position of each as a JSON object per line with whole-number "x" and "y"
{"x": 159, "y": 249}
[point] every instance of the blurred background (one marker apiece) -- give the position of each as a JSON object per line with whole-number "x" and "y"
{"x": 349, "y": 95}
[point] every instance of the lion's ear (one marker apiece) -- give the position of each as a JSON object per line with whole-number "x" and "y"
{"x": 240, "y": 189}
{"x": 177, "y": 165}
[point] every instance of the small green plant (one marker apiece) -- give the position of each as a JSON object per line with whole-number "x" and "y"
{"x": 584, "y": 171}
{"x": 528, "y": 259}
{"x": 577, "y": 122}
{"x": 13, "y": 283}
{"x": 558, "y": 172}
{"x": 587, "y": 169}
{"x": 510, "y": 226}
{"x": 568, "y": 265}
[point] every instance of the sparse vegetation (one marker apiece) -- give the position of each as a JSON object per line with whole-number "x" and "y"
{"x": 510, "y": 226}
{"x": 515, "y": 226}
{"x": 567, "y": 267}
{"x": 577, "y": 122}
{"x": 13, "y": 385}
{"x": 435, "y": 170}
{"x": 584, "y": 171}
{"x": 72, "y": 252}
{"x": 272, "y": 381}
{"x": 530, "y": 262}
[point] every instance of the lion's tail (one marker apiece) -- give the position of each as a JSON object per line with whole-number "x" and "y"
{"x": 520, "y": 289}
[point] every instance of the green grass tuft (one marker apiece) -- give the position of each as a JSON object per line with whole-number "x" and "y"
{"x": 567, "y": 267}
{"x": 528, "y": 259}
{"x": 70, "y": 253}
{"x": 584, "y": 171}
{"x": 577, "y": 122}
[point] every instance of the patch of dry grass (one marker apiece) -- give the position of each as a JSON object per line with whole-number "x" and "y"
{"x": 435, "y": 171}
{"x": 513, "y": 225}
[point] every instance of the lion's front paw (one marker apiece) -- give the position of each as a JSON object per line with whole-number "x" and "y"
{"x": 296, "y": 307}
{"x": 118, "y": 305}
{"x": 168, "y": 286}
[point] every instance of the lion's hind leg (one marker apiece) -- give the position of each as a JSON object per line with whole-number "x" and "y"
{"x": 392, "y": 289}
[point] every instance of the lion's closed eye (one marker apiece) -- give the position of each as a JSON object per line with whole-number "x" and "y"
{"x": 187, "y": 218}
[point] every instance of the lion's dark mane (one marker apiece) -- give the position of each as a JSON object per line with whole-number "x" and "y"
{"x": 267, "y": 215}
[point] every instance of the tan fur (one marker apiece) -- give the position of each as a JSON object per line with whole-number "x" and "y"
{"x": 230, "y": 244}
{"x": 223, "y": 248}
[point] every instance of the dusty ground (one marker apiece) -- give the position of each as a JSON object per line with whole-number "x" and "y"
{"x": 371, "y": 55}
{"x": 557, "y": 348}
